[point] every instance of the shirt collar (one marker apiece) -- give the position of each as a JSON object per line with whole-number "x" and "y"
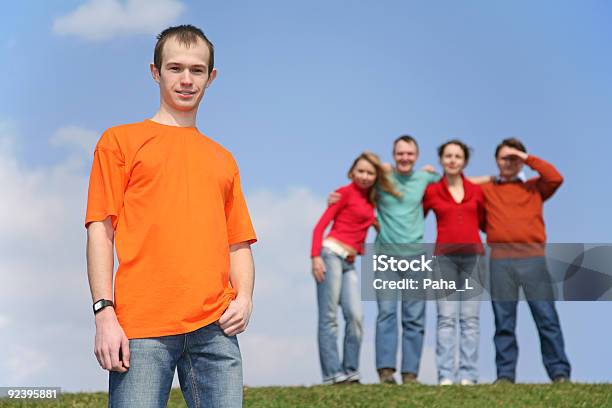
{"x": 520, "y": 178}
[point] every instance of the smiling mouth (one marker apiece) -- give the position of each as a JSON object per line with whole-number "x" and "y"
{"x": 186, "y": 93}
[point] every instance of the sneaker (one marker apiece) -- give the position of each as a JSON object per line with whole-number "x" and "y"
{"x": 409, "y": 378}
{"x": 338, "y": 379}
{"x": 504, "y": 380}
{"x": 352, "y": 378}
{"x": 386, "y": 376}
{"x": 561, "y": 379}
{"x": 446, "y": 381}
{"x": 465, "y": 381}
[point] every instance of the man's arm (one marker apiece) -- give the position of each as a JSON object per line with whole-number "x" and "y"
{"x": 480, "y": 179}
{"x": 242, "y": 277}
{"x": 550, "y": 179}
{"x": 110, "y": 337}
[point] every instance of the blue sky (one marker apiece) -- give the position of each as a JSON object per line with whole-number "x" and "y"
{"x": 303, "y": 87}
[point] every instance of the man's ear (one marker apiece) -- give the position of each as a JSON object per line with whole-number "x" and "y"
{"x": 211, "y": 77}
{"x": 154, "y": 72}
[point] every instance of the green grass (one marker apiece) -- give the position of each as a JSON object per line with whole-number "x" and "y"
{"x": 374, "y": 395}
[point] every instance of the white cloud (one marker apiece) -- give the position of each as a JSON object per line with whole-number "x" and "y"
{"x": 85, "y": 139}
{"x": 24, "y": 362}
{"x": 98, "y": 20}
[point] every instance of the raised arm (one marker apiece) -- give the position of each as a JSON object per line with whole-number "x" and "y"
{"x": 550, "y": 179}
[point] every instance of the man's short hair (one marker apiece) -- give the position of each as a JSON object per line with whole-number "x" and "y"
{"x": 407, "y": 139}
{"x": 186, "y": 35}
{"x": 511, "y": 142}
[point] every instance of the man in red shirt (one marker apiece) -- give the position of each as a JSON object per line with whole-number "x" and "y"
{"x": 516, "y": 233}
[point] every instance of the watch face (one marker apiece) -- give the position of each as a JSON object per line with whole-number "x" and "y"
{"x": 101, "y": 304}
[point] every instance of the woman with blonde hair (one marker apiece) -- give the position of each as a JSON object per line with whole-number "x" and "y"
{"x": 333, "y": 266}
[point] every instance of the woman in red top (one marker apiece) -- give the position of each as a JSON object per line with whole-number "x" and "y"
{"x": 333, "y": 266}
{"x": 459, "y": 208}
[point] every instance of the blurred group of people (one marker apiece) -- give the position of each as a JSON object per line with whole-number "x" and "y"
{"x": 395, "y": 199}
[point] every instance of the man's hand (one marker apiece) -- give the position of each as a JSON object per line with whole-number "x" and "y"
{"x": 333, "y": 198}
{"x": 236, "y": 317}
{"x": 112, "y": 347}
{"x": 429, "y": 168}
{"x": 512, "y": 153}
{"x": 318, "y": 269}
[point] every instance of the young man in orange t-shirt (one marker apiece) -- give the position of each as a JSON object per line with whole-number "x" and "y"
{"x": 170, "y": 200}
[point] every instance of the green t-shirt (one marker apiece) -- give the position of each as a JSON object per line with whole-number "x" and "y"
{"x": 401, "y": 218}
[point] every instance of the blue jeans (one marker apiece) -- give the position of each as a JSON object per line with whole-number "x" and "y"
{"x": 507, "y": 275}
{"x": 209, "y": 368}
{"x": 467, "y": 308}
{"x": 340, "y": 287}
{"x": 413, "y": 331}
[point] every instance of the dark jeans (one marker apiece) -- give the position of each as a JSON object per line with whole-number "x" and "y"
{"x": 507, "y": 275}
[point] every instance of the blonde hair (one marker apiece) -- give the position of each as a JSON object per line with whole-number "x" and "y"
{"x": 381, "y": 181}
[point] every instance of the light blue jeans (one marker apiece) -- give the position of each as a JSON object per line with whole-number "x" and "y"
{"x": 413, "y": 330}
{"x": 461, "y": 305}
{"x": 340, "y": 287}
{"x": 209, "y": 367}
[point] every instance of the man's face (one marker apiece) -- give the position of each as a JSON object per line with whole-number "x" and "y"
{"x": 509, "y": 165}
{"x": 184, "y": 75}
{"x": 405, "y": 155}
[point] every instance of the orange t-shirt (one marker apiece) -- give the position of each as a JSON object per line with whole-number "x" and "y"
{"x": 176, "y": 205}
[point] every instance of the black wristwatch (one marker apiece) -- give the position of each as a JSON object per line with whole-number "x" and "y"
{"x": 101, "y": 304}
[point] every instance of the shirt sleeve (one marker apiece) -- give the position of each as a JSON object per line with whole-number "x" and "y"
{"x": 550, "y": 179}
{"x": 107, "y": 182}
{"x": 433, "y": 177}
{"x": 239, "y": 226}
{"x": 327, "y": 217}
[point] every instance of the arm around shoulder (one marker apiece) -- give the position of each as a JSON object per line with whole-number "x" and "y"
{"x": 480, "y": 179}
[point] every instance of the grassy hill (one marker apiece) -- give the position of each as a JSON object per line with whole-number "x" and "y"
{"x": 374, "y": 395}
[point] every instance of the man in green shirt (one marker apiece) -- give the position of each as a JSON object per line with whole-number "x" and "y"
{"x": 402, "y": 223}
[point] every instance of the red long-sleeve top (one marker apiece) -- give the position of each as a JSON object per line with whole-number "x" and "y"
{"x": 458, "y": 224}
{"x": 353, "y": 214}
{"x": 514, "y": 211}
